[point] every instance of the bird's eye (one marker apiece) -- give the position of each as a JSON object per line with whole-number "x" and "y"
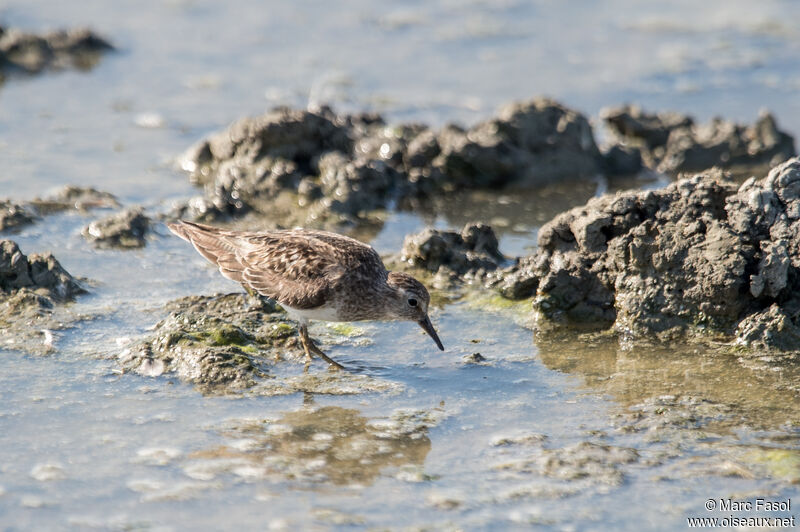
{"x": 412, "y": 302}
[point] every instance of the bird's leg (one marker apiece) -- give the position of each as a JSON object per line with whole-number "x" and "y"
{"x": 309, "y": 347}
{"x": 304, "y": 341}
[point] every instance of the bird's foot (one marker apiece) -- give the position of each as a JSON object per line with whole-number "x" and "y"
{"x": 309, "y": 347}
{"x": 332, "y": 363}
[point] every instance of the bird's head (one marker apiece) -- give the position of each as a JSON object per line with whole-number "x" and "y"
{"x": 411, "y": 303}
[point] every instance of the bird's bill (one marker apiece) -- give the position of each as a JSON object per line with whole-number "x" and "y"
{"x": 427, "y": 326}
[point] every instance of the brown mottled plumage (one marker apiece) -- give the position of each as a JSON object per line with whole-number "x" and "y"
{"x": 314, "y": 275}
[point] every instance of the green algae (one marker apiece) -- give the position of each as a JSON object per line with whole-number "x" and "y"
{"x": 498, "y": 302}
{"x": 519, "y": 311}
{"x": 249, "y": 349}
{"x": 280, "y": 330}
{"x": 779, "y": 463}
{"x": 346, "y": 329}
{"x": 228, "y": 334}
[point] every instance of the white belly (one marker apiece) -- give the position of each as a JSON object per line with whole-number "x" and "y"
{"x": 323, "y": 313}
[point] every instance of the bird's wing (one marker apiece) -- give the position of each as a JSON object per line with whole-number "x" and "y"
{"x": 297, "y": 268}
{"x": 293, "y": 269}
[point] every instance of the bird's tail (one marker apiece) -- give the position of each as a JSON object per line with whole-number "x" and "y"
{"x": 185, "y": 229}
{"x": 212, "y": 244}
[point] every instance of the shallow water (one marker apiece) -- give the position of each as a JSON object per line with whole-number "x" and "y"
{"x": 452, "y": 444}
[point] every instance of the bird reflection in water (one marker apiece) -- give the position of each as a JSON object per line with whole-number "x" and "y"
{"x": 326, "y": 444}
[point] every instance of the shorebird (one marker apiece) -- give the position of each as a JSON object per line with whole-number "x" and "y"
{"x": 314, "y": 275}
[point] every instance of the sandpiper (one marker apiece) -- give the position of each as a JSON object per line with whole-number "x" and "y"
{"x": 314, "y": 275}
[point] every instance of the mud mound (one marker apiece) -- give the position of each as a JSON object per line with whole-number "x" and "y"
{"x": 698, "y": 254}
{"x": 673, "y": 142}
{"x": 228, "y": 344}
{"x": 15, "y": 215}
{"x": 30, "y": 289}
{"x": 126, "y": 229}
{"x": 32, "y": 53}
{"x": 329, "y": 167}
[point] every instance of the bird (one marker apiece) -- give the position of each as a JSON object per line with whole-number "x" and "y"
{"x": 314, "y": 275}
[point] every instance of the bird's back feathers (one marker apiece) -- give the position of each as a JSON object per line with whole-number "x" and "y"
{"x": 300, "y": 268}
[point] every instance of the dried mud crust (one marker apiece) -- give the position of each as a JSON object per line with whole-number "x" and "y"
{"x": 339, "y": 168}
{"x": 696, "y": 255}
{"x": 230, "y": 344}
{"x": 30, "y": 289}
{"x": 672, "y": 142}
